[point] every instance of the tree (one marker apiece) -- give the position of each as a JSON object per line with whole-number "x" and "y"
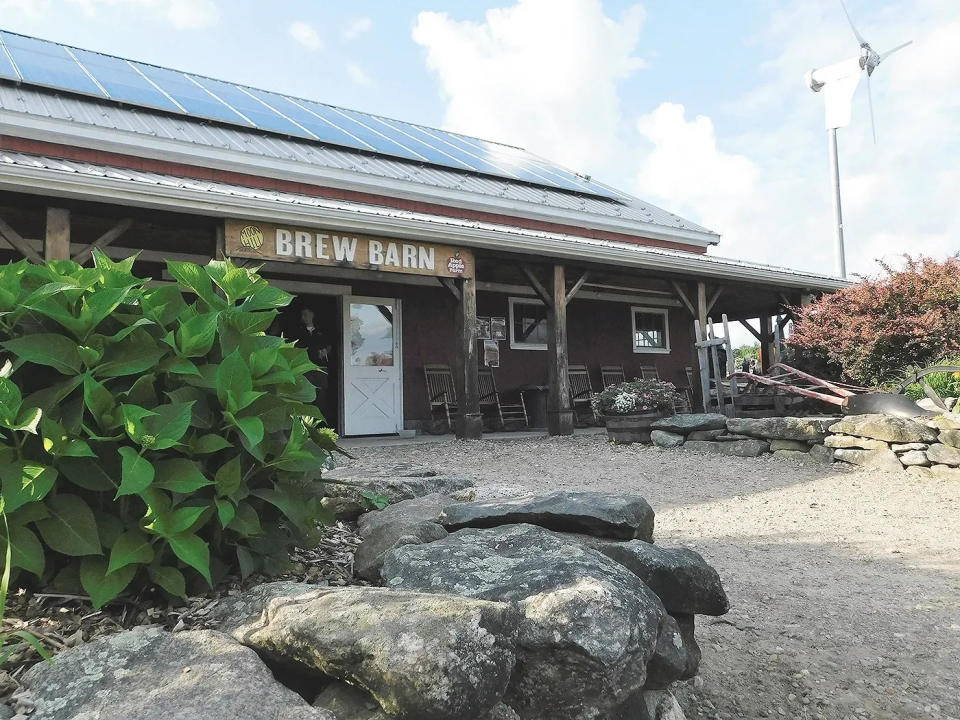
{"x": 874, "y": 330}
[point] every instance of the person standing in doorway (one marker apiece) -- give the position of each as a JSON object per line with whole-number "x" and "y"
{"x": 319, "y": 349}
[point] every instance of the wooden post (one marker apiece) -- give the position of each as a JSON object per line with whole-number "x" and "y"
{"x": 469, "y": 422}
{"x": 559, "y": 408}
{"x": 731, "y": 366}
{"x": 766, "y": 342}
{"x": 700, "y": 331}
{"x": 56, "y": 245}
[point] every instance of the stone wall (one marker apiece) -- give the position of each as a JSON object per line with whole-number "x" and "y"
{"x": 925, "y": 447}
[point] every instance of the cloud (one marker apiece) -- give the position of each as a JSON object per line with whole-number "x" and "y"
{"x": 304, "y": 34}
{"x": 357, "y": 74}
{"x": 542, "y": 74}
{"x": 356, "y": 27}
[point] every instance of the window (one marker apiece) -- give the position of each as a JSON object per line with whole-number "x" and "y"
{"x": 528, "y": 324}
{"x": 651, "y": 331}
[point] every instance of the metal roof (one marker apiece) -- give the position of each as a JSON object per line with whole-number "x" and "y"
{"x": 48, "y": 115}
{"x": 33, "y": 173}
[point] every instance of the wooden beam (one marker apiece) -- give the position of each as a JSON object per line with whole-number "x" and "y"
{"x": 18, "y": 243}
{"x": 750, "y": 327}
{"x": 577, "y": 285}
{"x": 714, "y": 298}
{"x": 538, "y": 286}
{"x": 683, "y": 297}
{"x": 702, "y": 308}
{"x": 220, "y": 241}
{"x": 559, "y": 406}
{"x": 703, "y": 357}
{"x": 56, "y": 243}
{"x": 101, "y": 242}
{"x": 469, "y": 422}
{"x": 766, "y": 343}
{"x": 451, "y": 285}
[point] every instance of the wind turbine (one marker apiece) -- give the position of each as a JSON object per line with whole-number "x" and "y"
{"x": 838, "y": 83}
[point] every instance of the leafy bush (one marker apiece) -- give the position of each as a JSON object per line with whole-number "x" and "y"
{"x": 152, "y": 433}
{"x": 635, "y": 397}
{"x": 944, "y": 384}
{"x": 879, "y": 327}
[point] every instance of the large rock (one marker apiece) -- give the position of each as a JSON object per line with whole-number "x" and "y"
{"x": 589, "y": 627}
{"x": 421, "y": 656}
{"x": 681, "y": 578}
{"x": 707, "y": 434}
{"x": 689, "y": 422}
{"x": 820, "y": 454}
{"x": 793, "y": 445}
{"x": 662, "y": 705}
{"x": 664, "y": 439}
{"x": 349, "y": 703}
{"x": 151, "y": 674}
{"x": 950, "y": 437}
{"x": 406, "y": 522}
{"x": 943, "y": 454}
{"x": 677, "y": 655}
{"x": 813, "y": 429}
{"x": 945, "y": 472}
{"x": 907, "y": 447}
{"x": 347, "y": 497}
{"x": 877, "y": 459}
{"x": 736, "y": 448}
{"x": 885, "y": 427}
{"x": 601, "y": 514}
{"x": 947, "y": 421}
{"x": 854, "y": 443}
{"x": 914, "y": 458}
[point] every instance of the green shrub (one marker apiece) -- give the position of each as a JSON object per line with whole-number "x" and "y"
{"x": 943, "y": 384}
{"x": 152, "y": 433}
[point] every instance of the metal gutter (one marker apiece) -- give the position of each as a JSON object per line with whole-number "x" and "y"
{"x": 104, "y": 184}
{"x": 65, "y": 132}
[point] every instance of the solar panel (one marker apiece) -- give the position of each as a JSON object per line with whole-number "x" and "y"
{"x": 103, "y": 76}
{"x": 122, "y": 81}
{"x": 48, "y": 64}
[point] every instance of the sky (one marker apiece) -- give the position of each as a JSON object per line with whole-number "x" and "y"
{"x": 699, "y": 106}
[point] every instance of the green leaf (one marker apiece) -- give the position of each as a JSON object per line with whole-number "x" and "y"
{"x": 136, "y": 472}
{"x": 194, "y": 279}
{"x": 59, "y": 443}
{"x": 225, "y": 512}
{"x": 252, "y": 429}
{"x": 99, "y": 402}
{"x": 27, "y": 420}
{"x": 49, "y": 349}
{"x": 228, "y": 478}
{"x": 233, "y": 379}
{"x": 88, "y": 474}
{"x": 25, "y": 482}
{"x": 131, "y": 547}
{"x": 26, "y": 551}
{"x": 170, "y": 579}
{"x": 246, "y": 522}
{"x": 133, "y": 417}
{"x": 136, "y": 354}
{"x": 290, "y": 504}
{"x": 179, "y": 475}
{"x": 167, "y": 424}
{"x": 103, "y": 586}
{"x": 268, "y": 297}
{"x": 193, "y": 551}
{"x": 210, "y": 443}
{"x": 10, "y": 400}
{"x": 195, "y": 336}
{"x": 71, "y": 528}
{"x": 246, "y": 562}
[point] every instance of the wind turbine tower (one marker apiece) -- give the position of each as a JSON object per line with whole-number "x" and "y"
{"x": 838, "y": 82}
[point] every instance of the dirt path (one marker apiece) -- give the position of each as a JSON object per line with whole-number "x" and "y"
{"x": 844, "y": 586}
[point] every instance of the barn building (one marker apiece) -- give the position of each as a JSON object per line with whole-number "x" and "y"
{"x": 416, "y": 249}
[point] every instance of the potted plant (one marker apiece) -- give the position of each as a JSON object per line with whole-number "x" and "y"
{"x": 629, "y": 408}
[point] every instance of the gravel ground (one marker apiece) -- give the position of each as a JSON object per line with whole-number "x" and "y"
{"x": 844, "y": 586}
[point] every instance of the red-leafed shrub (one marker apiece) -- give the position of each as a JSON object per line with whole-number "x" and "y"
{"x": 879, "y": 327}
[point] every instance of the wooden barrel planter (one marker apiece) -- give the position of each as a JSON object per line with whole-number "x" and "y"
{"x": 631, "y": 428}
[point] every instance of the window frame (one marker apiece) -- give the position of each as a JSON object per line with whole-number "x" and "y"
{"x": 665, "y": 350}
{"x": 519, "y": 344}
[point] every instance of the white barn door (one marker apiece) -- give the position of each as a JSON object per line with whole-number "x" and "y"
{"x": 372, "y": 373}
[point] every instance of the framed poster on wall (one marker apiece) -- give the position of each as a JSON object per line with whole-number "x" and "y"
{"x": 498, "y": 328}
{"x": 483, "y": 328}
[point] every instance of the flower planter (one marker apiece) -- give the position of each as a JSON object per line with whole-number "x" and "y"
{"x": 631, "y": 428}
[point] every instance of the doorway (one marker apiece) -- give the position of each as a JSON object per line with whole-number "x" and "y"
{"x": 313, "y": 323}
{"x": 372, "y": 373}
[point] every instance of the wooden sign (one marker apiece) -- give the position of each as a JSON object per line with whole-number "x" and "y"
{"x": 284, "y": 243}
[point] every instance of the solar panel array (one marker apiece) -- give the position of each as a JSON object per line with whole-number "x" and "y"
{"x": 52, "y": 65}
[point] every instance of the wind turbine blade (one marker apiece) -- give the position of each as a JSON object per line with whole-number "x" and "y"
{"x": 888, "y": 53}
{"x": 873, "y": 126}
{"x": 853, "y": 27}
